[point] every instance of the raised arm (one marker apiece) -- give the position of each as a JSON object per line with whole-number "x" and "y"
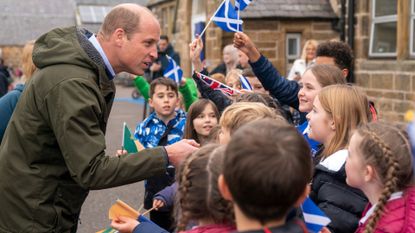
{"x": 282, "y": 89}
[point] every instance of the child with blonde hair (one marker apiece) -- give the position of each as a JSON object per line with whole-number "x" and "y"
{"x": 241, "y": 113}
{"x": 337, "y": 111}
{"x": 380, "y": 164}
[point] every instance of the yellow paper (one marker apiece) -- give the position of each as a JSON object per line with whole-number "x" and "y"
{"x": 120, "y": 208}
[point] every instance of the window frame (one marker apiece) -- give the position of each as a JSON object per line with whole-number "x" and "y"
{"x": 377, "y": 20}
{"x": 288, "y": 36}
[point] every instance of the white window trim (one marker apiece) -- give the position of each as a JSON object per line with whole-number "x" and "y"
{"x": 296, "y": 36}
{"x": 375, "y": 20}
{"x": 412, "y": 33}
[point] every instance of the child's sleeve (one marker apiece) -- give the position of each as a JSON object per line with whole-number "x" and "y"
{"x": 189, "y": 95}
{"x": 221, "y": 100}
{"x": 167, "y": 196}
{"x": 142, "y": 86}
{"x": 146, "y": 226}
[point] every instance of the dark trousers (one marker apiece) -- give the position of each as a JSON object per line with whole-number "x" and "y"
{"x": 162, "y": 219}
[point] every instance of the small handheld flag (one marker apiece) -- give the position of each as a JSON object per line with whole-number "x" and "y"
{"x": 241, "y": 4}
{"x": 173, "y": 71}
{"x": 215, "y": 85}
{"x": 245, "y": 83}
{"x": 128, "y": 142}
{"x": 227, "y": 18}
{"x": 314, "y": 218}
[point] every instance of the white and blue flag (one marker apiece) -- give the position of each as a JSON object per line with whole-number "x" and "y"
{"x": 227, "y": 18}
{"x": 241, "y": 4}
{"x": 314, "y": 218}
{"x": 173, "y": 71}
{"x": 245, "y": 83}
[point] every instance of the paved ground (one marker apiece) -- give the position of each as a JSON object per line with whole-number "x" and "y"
{"x": 94, "y": 215}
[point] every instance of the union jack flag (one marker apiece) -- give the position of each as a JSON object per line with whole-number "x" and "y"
{"x": 215, "y": 85}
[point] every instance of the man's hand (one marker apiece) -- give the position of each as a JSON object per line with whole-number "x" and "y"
{"x": 242, "y": 42}
{"x": 195, "y": 49}
{"x": 178, "y": 151}
{"x": 124, "y": 224}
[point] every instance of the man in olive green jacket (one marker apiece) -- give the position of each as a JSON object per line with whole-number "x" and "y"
{"x": 53, "y": 151}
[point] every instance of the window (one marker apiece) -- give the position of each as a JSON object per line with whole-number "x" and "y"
{"x": 292, "y": 46}
{"x": 93, "y": 14}
{"x": 384, "y": 28}
{"x": 412, "y": 31}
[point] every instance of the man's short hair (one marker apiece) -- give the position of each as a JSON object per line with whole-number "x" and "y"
{"x": 164, "y": 37}
{"x": 267, "y": 168}
{"x": 121, "y": 17}
{"x": 169, "y": 83}
{"x": 340, "y": 51}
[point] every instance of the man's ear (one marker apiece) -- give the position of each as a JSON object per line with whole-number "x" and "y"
{"x": 303, "y": 196}
{"x": 119, "y": 36}
{"x": 345, "y": 72}
{"x": 224, "y": 189}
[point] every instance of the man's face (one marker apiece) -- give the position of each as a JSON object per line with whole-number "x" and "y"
{"x": 163, "y": 44}
{"x": 140, "y": 50}
{"x": 322, "y": 60}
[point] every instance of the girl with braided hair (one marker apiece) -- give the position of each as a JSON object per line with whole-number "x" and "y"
{"x": 198, "y": 198}
{"x": 380, "y": 164}
{"x": 198, "y": 194}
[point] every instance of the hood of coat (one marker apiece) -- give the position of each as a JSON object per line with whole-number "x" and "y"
{"x": 67, "y": 46}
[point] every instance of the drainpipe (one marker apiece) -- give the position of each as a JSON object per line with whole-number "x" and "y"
{"x": 342, "y": 21}
{"x": 350, "y": 34}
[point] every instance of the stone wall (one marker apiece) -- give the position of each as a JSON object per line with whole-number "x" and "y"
{"x": 389, "y": 82}
{"x": 12, "y": 55}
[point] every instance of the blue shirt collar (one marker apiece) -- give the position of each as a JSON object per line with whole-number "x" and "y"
{"x": 98, "y": 47}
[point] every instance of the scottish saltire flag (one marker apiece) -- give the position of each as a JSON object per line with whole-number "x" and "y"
{"x": 215, "y": 85}
{"x": 245, "y": 83}
{"x": 314, "y": 218}
{"x": 227, "y": 18}
{"x": 173, "y": 71}
{"x": 241, "y": 4}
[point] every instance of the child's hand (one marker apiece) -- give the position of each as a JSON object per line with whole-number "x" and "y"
{"x": 158, "y": 204}
{"x": 124, "y": 224}
{"x": 121, "y": 152}
{"x": 325, "y": 230}
{"x": 242, "y": 42}
{"x": 195, "y": 49}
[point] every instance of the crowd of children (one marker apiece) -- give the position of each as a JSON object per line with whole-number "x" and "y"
{"x": 255, "y": 166}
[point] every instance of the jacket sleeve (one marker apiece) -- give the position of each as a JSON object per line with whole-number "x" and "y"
{"x": 142, "y": 86}
{"x": 78, "y": 123}
{"x": 167, "y": 196}
{"x": 147, "y": 226}
{"x": 217, "y": 97}
{"x": 285, "y": 91}
{"x": 187, "y": 93}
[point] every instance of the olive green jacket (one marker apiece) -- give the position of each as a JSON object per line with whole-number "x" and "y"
{"x": 53, "y": 151}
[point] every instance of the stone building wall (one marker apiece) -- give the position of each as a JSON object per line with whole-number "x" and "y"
{"x": 389, "y": 82}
